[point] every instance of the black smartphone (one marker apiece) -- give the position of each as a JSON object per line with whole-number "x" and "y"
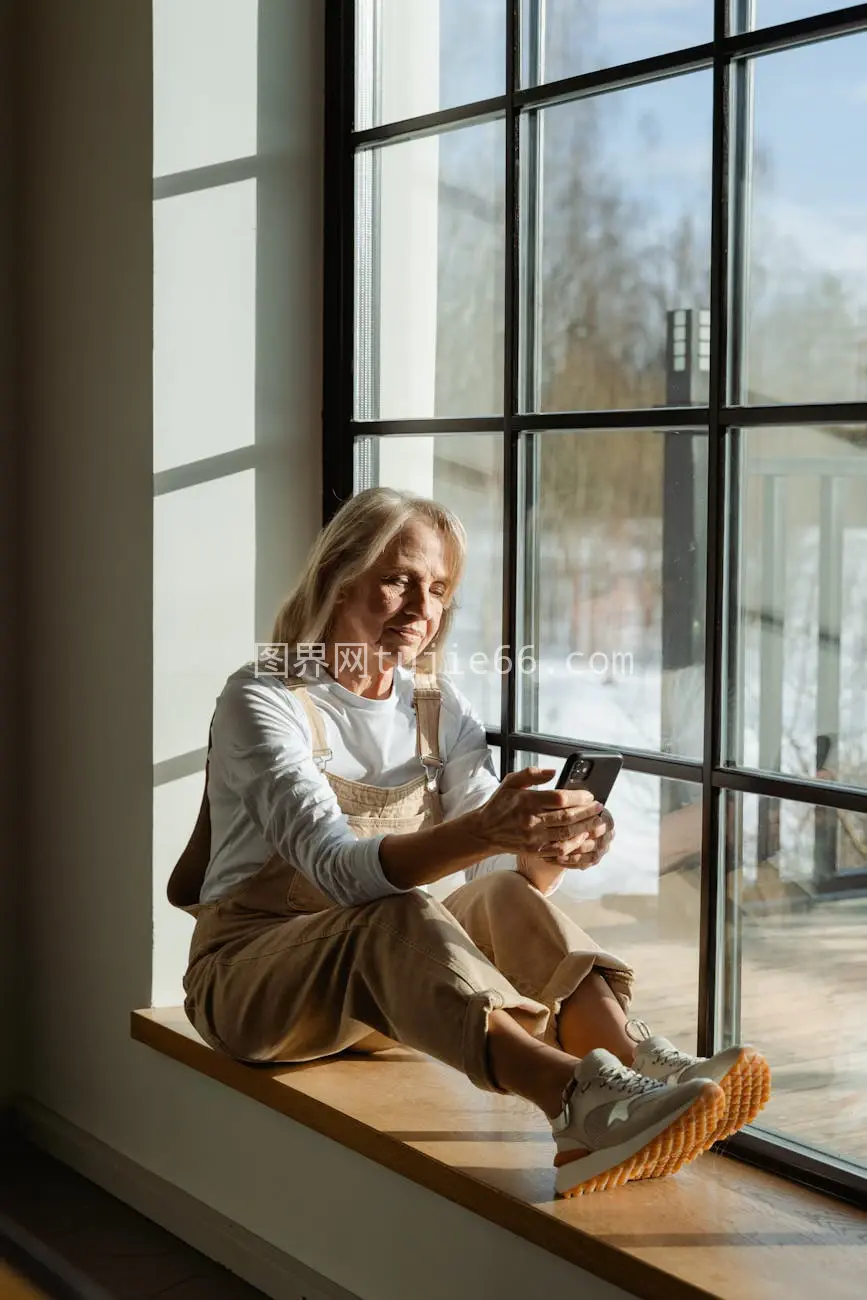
{"x": 594, "y": 772}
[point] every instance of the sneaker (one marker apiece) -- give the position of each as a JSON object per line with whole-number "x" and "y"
{"x": 742, "y": 1072}
{"x": 617, "y": 1126}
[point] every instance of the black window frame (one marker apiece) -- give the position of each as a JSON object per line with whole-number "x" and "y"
{"x": 722, "y": 420}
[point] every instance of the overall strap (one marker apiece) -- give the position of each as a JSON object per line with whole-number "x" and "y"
{"x": 321, "y": 752}
{"x": 426, "y": 701}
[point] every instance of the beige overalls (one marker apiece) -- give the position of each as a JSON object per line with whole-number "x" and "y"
{"x": 278, "y": 972}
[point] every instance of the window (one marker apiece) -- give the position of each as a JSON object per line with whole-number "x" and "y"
{"x": 600, "y": 284}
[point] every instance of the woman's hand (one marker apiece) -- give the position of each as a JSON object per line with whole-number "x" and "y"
{"x": 552, "y": 824}
{"x": 589, "y": 847}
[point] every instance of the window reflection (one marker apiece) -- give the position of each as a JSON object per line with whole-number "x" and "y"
{"x": 642, "y": 900}
{"x": 806, "y": 232}
{"x": 624, "y": 211}
{"x": 798, "y": 942}
{"x": 615, "y": 602}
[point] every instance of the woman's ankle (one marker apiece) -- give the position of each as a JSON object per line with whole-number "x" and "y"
{"x": 526, "y": 1067}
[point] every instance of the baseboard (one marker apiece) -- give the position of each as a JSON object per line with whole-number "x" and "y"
{"x": 250, "y": 1257}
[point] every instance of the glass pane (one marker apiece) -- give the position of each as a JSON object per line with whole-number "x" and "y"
{"x": 465, "y": 473}
{"x": 796, "y": 964}
{"x": 765, "y": 13}
{"x": 800, "y": 671}
{"x": 563, "y": 38}
{"x": 642, "y": 901}
{"x": 805, "y": 307}
{"x": 418, "y": 56}
{"x": 429, "y": 276}
{"x": 614, "y": 581}
{"x": 625, "y": 240}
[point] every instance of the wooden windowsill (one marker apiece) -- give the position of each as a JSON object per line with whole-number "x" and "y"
{"x": 718, "y": 1229}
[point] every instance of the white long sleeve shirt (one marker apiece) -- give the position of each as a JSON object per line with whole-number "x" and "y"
{"x": 265, "y": 791}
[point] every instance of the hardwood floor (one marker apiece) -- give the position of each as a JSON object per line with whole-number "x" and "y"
{"x": 104, "y": 1241}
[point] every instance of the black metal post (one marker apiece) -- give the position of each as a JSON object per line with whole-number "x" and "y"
{"x": 683, "y": 578}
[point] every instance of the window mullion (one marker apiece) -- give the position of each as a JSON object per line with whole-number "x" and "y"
{"x": 712, "y": 895}
{"x": 511, "y": 291}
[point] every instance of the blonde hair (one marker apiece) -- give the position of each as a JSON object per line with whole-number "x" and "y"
{"x": 348, "y": 546}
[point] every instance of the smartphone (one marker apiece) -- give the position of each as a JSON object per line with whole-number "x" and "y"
{"x": 594, "y": 772}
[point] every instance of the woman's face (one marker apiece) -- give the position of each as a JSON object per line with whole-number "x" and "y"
{"x": 395, "y": 608}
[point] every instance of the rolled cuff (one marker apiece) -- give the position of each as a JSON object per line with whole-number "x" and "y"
{"x": 531, "y": 1015}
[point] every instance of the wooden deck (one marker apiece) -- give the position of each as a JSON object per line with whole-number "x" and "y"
{"x": 803, "y": 994}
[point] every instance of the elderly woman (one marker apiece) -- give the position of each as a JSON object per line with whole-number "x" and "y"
{"x": 337, "y": 791}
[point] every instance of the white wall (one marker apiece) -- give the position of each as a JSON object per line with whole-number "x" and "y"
{"x": 90, "y": 571}
{"x": 237, "y": 374}
{"x": 11, "y": 865}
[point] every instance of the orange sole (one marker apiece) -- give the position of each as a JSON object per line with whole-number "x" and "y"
{"x": 665, "y": 1154}
{"x": 747, "y": 1088}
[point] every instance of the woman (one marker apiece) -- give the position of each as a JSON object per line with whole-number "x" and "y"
{"x": 337, "y": 791}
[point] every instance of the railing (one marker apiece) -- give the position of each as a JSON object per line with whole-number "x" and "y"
{"x": 832, "y": 475}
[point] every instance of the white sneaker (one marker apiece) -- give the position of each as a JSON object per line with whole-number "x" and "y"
{"x": 616, "y": 1125}
{"x": 742, "y": 1072}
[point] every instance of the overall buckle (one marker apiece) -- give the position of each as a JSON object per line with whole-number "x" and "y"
{"x": 433, "y": 767}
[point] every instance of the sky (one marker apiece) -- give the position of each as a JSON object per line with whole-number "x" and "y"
{"x": 810, "y": 107}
